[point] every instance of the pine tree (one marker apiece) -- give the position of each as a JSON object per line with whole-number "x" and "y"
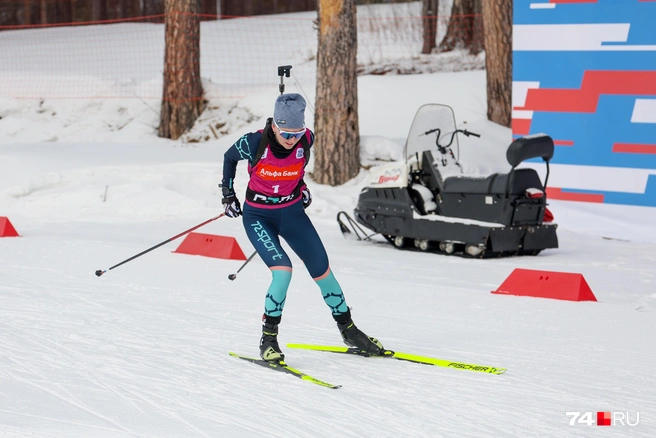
{"x": 182, "y": 100}
{"x": 497, "y": 15}
{"x": 337, "y": 148}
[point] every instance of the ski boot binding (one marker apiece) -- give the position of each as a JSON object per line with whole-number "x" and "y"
{"x": 269, "y": 348}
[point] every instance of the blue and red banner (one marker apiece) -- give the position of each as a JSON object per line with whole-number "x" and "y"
{"x": 584, "y": 72}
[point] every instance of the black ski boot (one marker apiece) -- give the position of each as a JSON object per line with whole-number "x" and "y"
{"x": 354, "y": 337}
{"x": 269, "y": 348}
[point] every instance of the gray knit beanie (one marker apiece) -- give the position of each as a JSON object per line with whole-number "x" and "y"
{"x": 289, "y": 111}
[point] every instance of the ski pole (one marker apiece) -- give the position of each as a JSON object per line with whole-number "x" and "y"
{"x": 233, "y": 276}
{"x": 100, "y": 272}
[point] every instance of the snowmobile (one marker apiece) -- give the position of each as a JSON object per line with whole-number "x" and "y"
{"x": 427, "y": 203}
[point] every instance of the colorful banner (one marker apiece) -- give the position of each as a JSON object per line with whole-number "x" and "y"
{"x": 584, "y": 72}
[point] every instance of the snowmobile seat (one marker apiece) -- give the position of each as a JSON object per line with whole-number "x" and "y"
{"x": 466, "y": 184}
{"x": 516, "y": 182}
{"x": 520, "y": 180}
{"x": 453, "y": 184}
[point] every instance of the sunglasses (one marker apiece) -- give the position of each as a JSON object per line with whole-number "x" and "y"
{"x": 289, "y": 135}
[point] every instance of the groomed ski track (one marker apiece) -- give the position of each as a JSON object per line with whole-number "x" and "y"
{"x": 142, "y": 351}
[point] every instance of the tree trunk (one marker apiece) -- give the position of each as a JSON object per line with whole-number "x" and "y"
{"x": 429, "y": 12}
{"x": 498, "y": 60}
{"x": 337, "y": 146}
{"x": 63, "y": 12}
{"x": 153, "y": 7}
{"x": 44, "y": 12}
{"x": 132, "y": 8}
{"x": 182, "y": 100}
{"x": 465, "y": 30}
{"x": 98, "y": 10}
{"x": 110, "y": 9}
{"x": 27, "y": 15}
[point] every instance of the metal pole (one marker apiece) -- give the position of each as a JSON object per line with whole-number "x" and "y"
{"x": 100, "y": 272}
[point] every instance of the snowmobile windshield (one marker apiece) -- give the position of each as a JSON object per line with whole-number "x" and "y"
{"x": 429, "y": 118}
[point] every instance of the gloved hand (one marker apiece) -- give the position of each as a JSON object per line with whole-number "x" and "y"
{"x": 307, "y": 196}
{"x": 231, "y": 205}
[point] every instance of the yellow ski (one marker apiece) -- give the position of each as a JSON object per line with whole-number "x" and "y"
{"x": 283, "y": 367}
{"x": 403, "y": 356}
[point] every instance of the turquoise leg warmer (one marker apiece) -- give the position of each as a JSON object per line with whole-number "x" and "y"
{"x": 332, "y": 294}
{"x": 277, "y": 293}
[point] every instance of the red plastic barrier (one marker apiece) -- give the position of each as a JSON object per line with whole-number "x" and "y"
{"x": 546, "y": 284}
{"x": 6, "y": 228}
{"x": 209, "y": 245}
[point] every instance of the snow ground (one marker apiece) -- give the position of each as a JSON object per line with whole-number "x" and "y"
{"x": 143, "y": 350}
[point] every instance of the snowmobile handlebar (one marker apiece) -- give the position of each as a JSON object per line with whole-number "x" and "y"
{"x": 468, "y": 133}
{"x": 453, "y": 135}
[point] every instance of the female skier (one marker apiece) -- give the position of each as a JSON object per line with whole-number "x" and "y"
{"x": 275, "y": 204}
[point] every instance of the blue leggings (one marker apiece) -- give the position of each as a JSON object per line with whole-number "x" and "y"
{"x": 264, "y": 228}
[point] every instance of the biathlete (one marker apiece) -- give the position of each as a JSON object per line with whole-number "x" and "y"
{"x": 276, "y": 199}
